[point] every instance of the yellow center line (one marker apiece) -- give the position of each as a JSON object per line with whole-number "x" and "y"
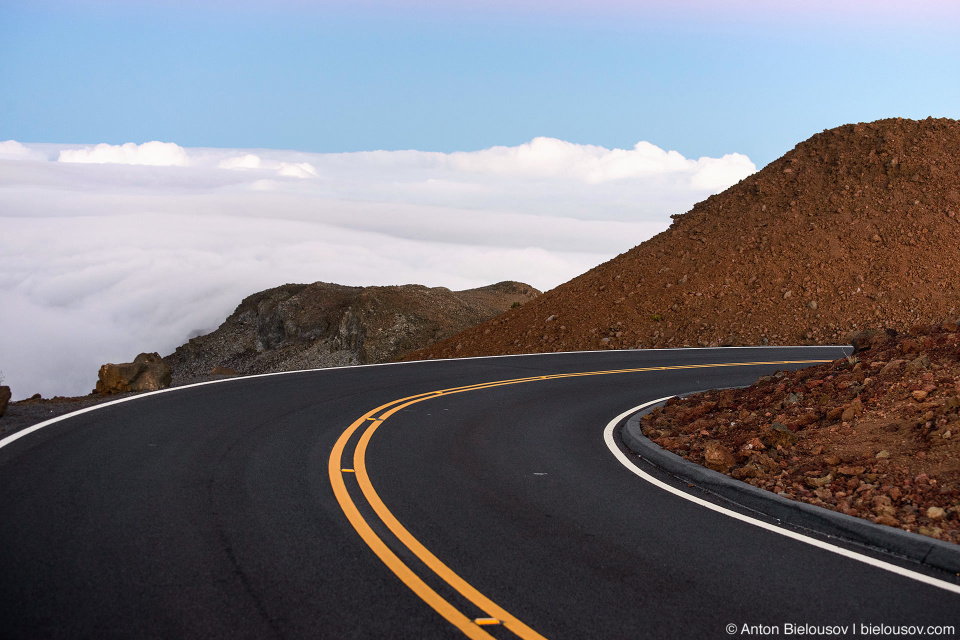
{"x": 370, "y": 422}
{"x": 388, "y": 557}
{"x": 443, "y": 571}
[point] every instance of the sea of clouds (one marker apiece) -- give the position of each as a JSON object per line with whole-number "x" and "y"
{"x": 110, "y": 250}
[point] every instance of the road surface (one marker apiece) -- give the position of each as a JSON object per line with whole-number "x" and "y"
{"x": 359, "y": 503}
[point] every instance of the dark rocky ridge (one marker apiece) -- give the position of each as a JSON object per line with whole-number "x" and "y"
{"x": 305, "y": 326}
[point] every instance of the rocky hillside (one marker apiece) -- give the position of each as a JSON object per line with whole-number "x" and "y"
{"x": 302, "y": 326}
{"x": 856, "y": 227}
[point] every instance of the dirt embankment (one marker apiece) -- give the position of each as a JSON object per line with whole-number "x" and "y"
{"x": 875, "y": 435}
{"x": 856, "y": 227}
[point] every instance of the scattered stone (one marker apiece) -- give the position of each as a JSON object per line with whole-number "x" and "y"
{"x": 778, "y": 435}
{"x": 935, "y": 513}
{"x": 850, "y": 471}
{"x": 819, "y": 482}
{"x": 887, "y": 519}
{"x": 923, "y": 362}
{"x": 869, "y": 339}
{"x": 223, "y": 371}
{"x": 883, "y": 455}
{"x": 853, "y": 410}
{"x": 891, "y": 367}
{"x": 748, "y": 470}
{"x": 717, "y": 456}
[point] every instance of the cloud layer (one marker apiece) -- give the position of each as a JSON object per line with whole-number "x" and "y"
{"x": 110, "y": 250}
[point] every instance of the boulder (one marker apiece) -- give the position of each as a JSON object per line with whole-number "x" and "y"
{"x": 4, "y": 399}
{"x": 147, "y": 372}
{"x": 717, "y": 457}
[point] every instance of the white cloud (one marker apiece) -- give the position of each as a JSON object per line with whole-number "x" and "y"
{"x": 297, "y": 170}
{"x": 549, "y": 157}
{"x": 100, "y": 262}
{"x": 716, "y": 174}
{"x": 159, "y": 154}
{"x": 13, "y": 150}
{"x": 246, "y": 161}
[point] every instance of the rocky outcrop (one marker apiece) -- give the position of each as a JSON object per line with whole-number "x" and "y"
{"x": 305, "y": 326}
{"x": 855, "y": 228}
{"x": 147, "y": 372}
{"x": 4, "y": 399}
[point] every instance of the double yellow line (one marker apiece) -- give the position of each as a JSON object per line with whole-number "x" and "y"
{"x": 367, "y": 425}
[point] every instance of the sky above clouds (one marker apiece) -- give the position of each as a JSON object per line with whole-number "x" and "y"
{"x": 704, "y": 77}
{"x": 161, "y": 159}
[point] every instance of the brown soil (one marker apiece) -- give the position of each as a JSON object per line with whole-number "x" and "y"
{"x": 875, "y": 435}
{"x": 856, "y": 227}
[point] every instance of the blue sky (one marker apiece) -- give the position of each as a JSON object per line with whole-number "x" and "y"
{"x": 702, "y": 78}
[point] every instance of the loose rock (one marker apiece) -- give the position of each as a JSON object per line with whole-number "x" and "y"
{"x": 717, "y": 456}
{"x": 778, "y": 435}
{"x": 147, "y": 372}
{"x": 223, "y": 371}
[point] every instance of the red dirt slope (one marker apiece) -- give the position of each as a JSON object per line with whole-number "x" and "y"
{"x": 856, "y": 227}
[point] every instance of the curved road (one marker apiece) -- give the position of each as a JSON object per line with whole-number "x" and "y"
{"x": 323, "y": 504}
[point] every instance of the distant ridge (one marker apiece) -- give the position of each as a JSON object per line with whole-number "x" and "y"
{"x": 304, "y": 326}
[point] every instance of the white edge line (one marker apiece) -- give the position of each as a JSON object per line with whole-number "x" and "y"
{"x": 23, "y": 432}
{"x": 880, "y": 564}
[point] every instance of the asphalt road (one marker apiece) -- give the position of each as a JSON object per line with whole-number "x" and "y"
{"x": 211, "y": 512}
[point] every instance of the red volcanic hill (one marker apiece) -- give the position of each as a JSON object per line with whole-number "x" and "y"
{"x": 856, "y": 227}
